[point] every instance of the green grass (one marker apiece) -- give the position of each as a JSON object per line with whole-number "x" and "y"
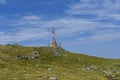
{"x": 54, "y": 62}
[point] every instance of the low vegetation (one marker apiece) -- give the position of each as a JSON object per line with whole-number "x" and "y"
{"x": 46, "y": 63}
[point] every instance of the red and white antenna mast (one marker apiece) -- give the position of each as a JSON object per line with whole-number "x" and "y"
{"x": 53, "y": 34}
{"x": 53, "y": 43}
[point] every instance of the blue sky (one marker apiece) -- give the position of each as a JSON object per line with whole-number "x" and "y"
{"x": 91, "y": 27}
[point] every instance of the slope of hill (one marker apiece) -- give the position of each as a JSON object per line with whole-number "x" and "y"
{"x": 46, "y": 63}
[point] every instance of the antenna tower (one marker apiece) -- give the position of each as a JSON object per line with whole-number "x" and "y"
{"x": 53, "y": 43}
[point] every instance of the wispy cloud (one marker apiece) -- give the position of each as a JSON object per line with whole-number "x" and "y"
{"x": 2, "y": 1}
{"x": 22, "y": 35}
{"x": 98, "y": 8}
{"x": 104, "y": 19}
{"x": 33, "y": 27}
{"x": 26, "y": 20}
{"x": 82, "y": 30}
{"x": 28, "y": 27}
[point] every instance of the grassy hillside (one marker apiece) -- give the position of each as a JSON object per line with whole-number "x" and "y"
{"x": 46, "y": 63}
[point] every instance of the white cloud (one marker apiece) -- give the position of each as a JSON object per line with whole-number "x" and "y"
{"x": 66, "y": 27}
{"x": 32, "y": 27}
{"x": 2, "y": 1}
{"x": 23, "y": 35}
{"x": 98, "y": 8}
{"x": 96, "y": 38}
{"x": 115, "y": 16}
{"x": 25, "y": 20}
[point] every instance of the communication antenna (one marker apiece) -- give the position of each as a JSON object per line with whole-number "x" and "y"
{"x": 54, "y": 42}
